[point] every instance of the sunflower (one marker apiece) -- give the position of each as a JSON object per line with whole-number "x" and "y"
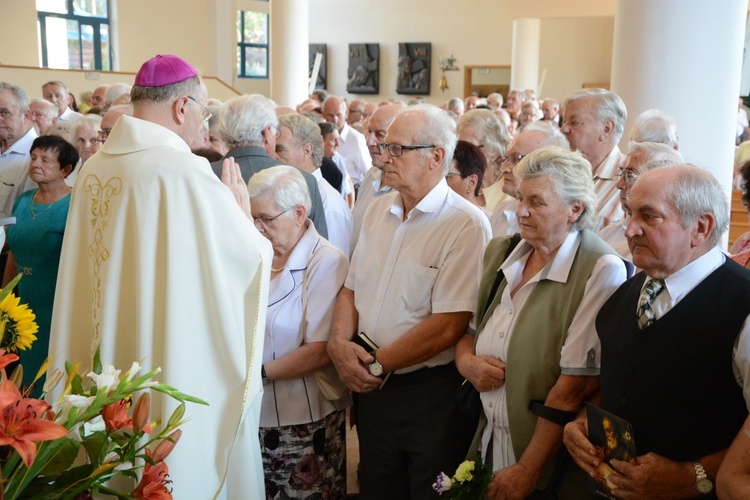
{"x": 17, "y": 324}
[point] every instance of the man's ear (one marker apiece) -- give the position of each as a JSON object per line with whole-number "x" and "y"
{"x": 703, "y": 229}
{"x": 180, "y": 109}
{"x": 608, "y": 130}
{"x": 437, "y": 157}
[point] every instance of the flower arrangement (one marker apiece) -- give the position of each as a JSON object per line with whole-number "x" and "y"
{"x": 74, "y": 448}
{"x": 468, "y": 483}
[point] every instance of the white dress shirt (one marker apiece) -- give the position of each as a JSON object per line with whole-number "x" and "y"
{"x": 403, "y": 271}
{"x": 341, "y": 164}
{"x": 338, "y": 216}
{"x": 605, "y": 185}
{"x": 682, "y": 282}
{"x": 614, "y": 235}
{"x": 353, "y": 147}
{"x": 503, "y": 219}
{"x": 370, "y": 189}
{"x": 69, "y": 116}
{"x": 14, "y": 172}
{"x": 575, "y": 359}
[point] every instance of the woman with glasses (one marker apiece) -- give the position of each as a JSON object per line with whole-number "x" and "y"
{"x": 35, "y": 241}
{"x": 536, "y": 340}
{"x": 302, "y": 433}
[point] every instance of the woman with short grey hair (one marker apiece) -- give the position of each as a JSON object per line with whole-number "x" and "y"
{"x": 302, "y": 432}
{"x": 538, "y": 300}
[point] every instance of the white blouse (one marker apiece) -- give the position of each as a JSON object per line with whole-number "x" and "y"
{"x": 299, "y": 401}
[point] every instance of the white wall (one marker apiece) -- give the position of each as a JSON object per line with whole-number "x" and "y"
{"x": 476, "y": 32}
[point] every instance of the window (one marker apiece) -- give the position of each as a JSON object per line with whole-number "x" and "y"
{"x": 252, "y": 44}
{"x": 74, "y": 34}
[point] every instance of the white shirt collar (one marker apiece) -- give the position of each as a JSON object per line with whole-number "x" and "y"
{"x": 557, "y": 269}
{"x": 681, "y": 282}
{"x": 430, "y": 203}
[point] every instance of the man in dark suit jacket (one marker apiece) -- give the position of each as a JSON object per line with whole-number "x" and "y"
{"x": 249, "y": 125}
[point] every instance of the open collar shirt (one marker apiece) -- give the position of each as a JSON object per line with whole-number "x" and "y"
{"x": 403, "y": 271}
{"x": 353, "y": 147}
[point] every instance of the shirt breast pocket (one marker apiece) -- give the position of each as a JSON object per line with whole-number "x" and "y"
{"x": 418, "y": 284}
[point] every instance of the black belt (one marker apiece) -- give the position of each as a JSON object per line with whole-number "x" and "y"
{"x": 420, "y": 375}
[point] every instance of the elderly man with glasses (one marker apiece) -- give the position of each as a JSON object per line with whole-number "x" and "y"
{"x": 411, "y": 288}
{"x": 161, "y": 263}
{"x": 643, "y": 156}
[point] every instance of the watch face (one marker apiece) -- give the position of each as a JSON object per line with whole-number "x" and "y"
{"x": 704, "y": 486}
{"x": 376, "y": 369}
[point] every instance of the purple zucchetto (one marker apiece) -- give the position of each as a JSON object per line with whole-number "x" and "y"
{"x": 164, "y": 70}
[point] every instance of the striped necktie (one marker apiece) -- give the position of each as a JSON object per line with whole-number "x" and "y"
{"x": 646, "y": 314}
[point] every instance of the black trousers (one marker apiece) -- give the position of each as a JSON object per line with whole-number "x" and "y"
{"x": 409, "y": 432}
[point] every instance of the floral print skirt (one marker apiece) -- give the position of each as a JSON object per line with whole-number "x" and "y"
{"x": 306, "y": 460}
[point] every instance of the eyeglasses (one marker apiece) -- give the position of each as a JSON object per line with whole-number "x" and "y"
{"x": 449, "y": 174}
{"x": 206, "y": 113}
{"x": 396, "y": 150}
{"x": 630, "y": 175}
{"x": 513, "y": 159}
{"x": 266, "y": 221}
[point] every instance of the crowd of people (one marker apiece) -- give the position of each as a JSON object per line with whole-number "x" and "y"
{"x": 289, "y": 261}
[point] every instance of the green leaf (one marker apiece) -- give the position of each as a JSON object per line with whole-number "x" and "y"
{"x": 76, "y": 385}
{"x": 7, "y": 289}
{"x": 97, "y": 368}
{"x": 63, "y": 457}
{"x": 96, "y": 446}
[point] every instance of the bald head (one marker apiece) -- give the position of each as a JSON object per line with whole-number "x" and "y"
{"x": 377, "y": 127}
{"x": 110, "y": 117}
{"x": 334, "y": 111}
{"x": 356, "y": 111}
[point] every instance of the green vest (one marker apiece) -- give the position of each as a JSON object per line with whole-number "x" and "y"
{"x": 533, "y": 364}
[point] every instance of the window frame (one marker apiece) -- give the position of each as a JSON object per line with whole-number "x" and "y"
{"x": 242, "y": 46}
{"x": 96, "y": 25}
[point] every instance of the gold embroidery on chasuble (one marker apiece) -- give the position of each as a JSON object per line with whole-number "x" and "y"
{"x": 98, "y": 252}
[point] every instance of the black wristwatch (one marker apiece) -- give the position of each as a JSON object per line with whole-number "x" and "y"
{"x": 263, "y": 377}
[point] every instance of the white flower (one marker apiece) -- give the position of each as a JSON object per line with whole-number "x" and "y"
{"x": 96, "y": 424}
{"x": 67, "y": 403}
{"x": 108, "y": 378}
{"x": 134, "y": 368}
{"x": 442, "y": 484}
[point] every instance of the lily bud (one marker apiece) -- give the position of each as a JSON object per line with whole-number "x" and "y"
{"x": 141, "y": 413}
{"x": 166, "y": 446}
{"x": 17, "y": 376}
{"x": 52, "y": 381}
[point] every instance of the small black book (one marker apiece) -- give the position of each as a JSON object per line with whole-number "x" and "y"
{"x": 362, "y": 340}
{"x": 612, "y": 437}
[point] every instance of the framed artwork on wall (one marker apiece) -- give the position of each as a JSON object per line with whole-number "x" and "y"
{"x": 414, "y": 62}
{"x": 319, "y": 48}
{"x": 364, "y": 68}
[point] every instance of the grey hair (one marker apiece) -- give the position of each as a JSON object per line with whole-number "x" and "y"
{"x": 89, "y": 122}
{"x": 285, "y": 185}
{"x": 571, "y": 175}
{"x": 49, "y": 107}
{"x": 439, "y": 128}
{"x": 553, "y": 136}
{"x": 696, "y": 192}
{"x": 19, "y": 96}
{"x": 608, "y": 104}
{"x": 58, "y": 83}
{"x": 456, "y": 103}
{"x": 305, "y": 131}
{"x": 491, "y": 131}
{"x": 213, "y": 122}
{"x": 244, "y": 118}
{"x": 115, "y": 91}
{"x": 521, "y": 94}
{"x": 658, "y": 154}
{"x": 654, "y": 125}
{"x": 165, "y": 93}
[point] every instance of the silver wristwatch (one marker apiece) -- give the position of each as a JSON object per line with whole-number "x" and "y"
{"x": 703, "y": 484}
{"x": 376, "y": 369}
